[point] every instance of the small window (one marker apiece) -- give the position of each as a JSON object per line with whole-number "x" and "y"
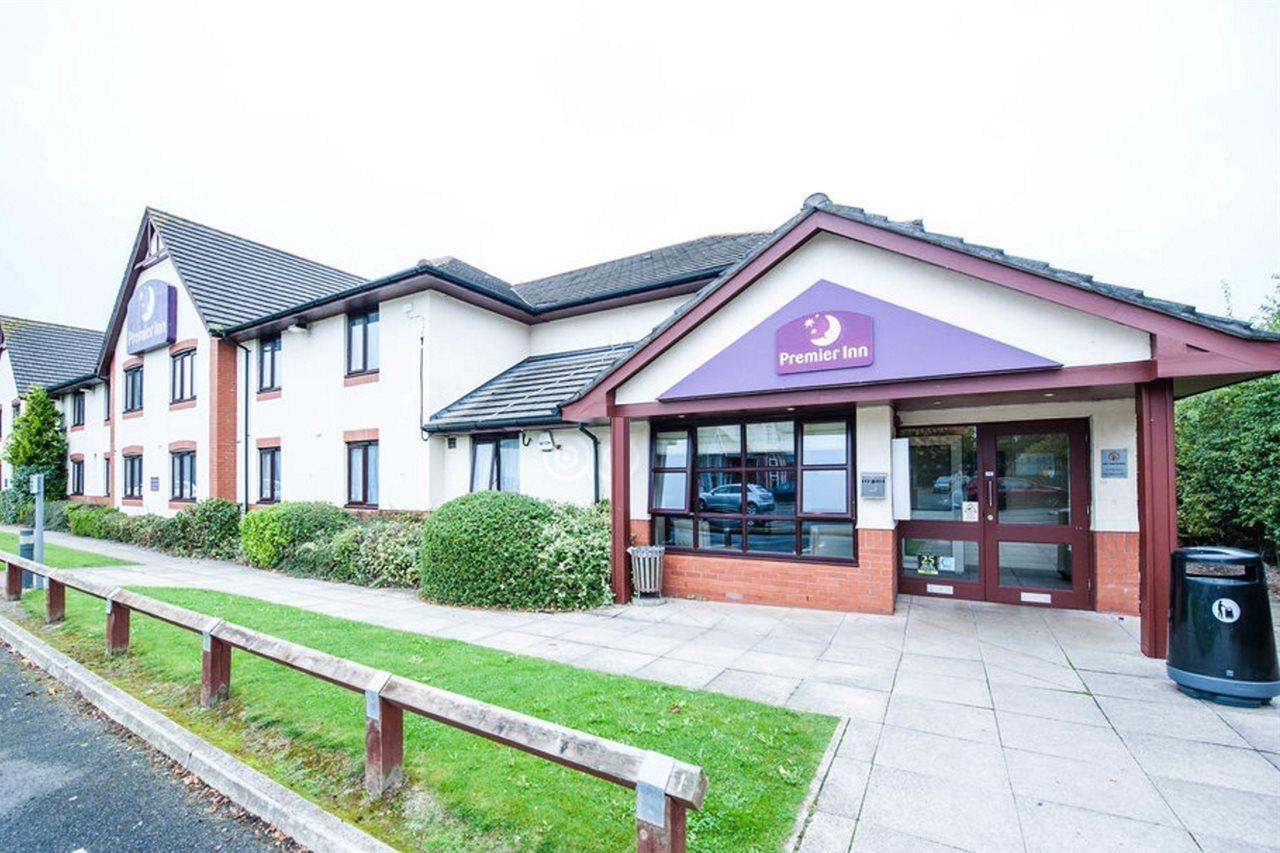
{"x": 182, "y": 385}
{"x": 77, "y": 410}
{"x": 106, "y": 476}
{"x": 182, "y": 467}
{"x": 77, "y": 477}
{"x": 268, "y": 475}
{"x": 269, "y": 364}
{"x": 362, "y": 342}
{"x": 495, "y": 464}
{"x": 133, "y": 389}
{"x": 106, "y": 401}
{"x": 153, "y": 244}
{"x": 362, "y": 473}
{"x": 133, "y": 476}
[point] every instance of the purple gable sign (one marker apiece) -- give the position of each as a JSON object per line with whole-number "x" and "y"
{"x": 779, "y": 354}
{"x": 827, "y": 340}
{"x": 151, "y": 320}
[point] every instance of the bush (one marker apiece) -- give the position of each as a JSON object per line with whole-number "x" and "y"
{"x": 267, "y": 535}
{"x": 37, "y": 444}
{"x": 98, "y": 522}
{"x": 313, "y": 560}
{"x": 55, "y": 515}
{"x": 379, "y": 552}
{"x": 14, "y": 505}
{"x": 154, "y": 531}
{"x": 211, "y": 528}
{"x": 498, "y": 549}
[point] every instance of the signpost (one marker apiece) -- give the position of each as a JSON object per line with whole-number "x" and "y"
{"x": 37, "y": 489}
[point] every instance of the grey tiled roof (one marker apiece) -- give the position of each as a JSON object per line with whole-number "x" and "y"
{"x": 529, "y": 393}
{"x": 232, "y": 279}
{"x": 706, "y": 256}
{"x": 916, "y": 229}
{"x": 48, "y": 354}
{"x": 476, "y": 277}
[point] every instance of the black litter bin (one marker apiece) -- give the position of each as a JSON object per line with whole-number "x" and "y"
{"x": 1221, "y": 645}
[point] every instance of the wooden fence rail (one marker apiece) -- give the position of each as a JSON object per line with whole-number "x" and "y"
{"x": 664, "y": 787}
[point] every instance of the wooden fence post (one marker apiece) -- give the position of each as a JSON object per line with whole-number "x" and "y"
{"x": 117, "y": 628}
{"x": 383, "y": 739}
{"x": 55, "y": 602}
{"x": 660, "y": 820}
{"x": 12, "y": 583}
{"x": 215, "y": 670}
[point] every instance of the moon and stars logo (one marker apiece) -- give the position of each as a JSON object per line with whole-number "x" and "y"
{"x": 148, "y": 297}
{"x": 824, "y": 329}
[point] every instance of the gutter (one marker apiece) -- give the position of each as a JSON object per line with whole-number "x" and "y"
{"x": 491, "y": 426}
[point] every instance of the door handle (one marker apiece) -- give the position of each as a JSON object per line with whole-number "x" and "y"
{"x": 991, "y": 501}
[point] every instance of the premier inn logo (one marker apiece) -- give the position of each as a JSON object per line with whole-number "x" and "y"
{"x": 150, "y": 321}
{"x": 826, "y": 340}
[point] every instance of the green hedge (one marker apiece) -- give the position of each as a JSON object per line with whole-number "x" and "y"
{"x": 210, "y": 528}
{"x": 270, "y": 534}
{"x": 379, "y": 552}
{"x": 499, "y": 549}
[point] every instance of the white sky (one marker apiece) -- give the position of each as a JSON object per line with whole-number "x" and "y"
{"x": 1139, "y": 143}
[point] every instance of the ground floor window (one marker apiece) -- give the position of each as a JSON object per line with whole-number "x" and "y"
{"x": 362, "y": 473}
{"x": 183, "y": 475}
{"x": 77, "y": 477}
{"x": 106, "y": 476}
{"x": 495, "y": 463}
{"x": 774, "y": 486}
{"x": 269, "y": 475}
{"x": 133, "y": 476}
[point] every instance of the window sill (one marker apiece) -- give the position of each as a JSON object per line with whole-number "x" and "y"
{"x": 361, "y": 507}
{"x": 76, "y": 428}
{"x": 132, "y": 413}
{"x": 360, "y": 378}
{"x": 131, "y": 501}
{"x": 180, "y": 503}
{"x": 177, "y": 405}
{"x": 269, "y": 394}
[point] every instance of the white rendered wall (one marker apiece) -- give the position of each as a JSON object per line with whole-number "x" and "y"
{"x": 1112, "y": 424}
{"x": 1063, "y": 334}
{"x": 873, "y": 449}
{"x": 618, "y": 326}
{"x": 93, "y": 440}
{"x": 158, "y": 426}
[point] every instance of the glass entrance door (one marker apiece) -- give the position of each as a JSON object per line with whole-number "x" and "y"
{"x": 999, "y": 512}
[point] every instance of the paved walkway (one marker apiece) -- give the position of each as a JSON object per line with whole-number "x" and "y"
{"x": 972, "y": 726}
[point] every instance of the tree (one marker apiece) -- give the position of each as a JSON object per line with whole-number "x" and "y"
{"x": 1229, "y": 460}
{"x": 38, "y": 445}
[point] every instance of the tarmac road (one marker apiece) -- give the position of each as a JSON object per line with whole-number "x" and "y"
{"x": 71, "y": 781}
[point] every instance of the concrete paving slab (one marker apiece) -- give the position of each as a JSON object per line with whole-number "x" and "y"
{"x": 1052, "y": 827}
{"x": 1190, "y": 720}
{"x": 1127, "y": 793}
{"x": 844, "y": 787}
{"x": 840, "y": 700}
{"x": 679, "y": 672}
{"x": 1096, "y": 744}
{"x": 963, "y": 691}
{"x": 964, "y": 762}
{"x": 947, "y": 718}
{"x": 941, "y": 811}
{"x": 871, "y": 837}
{"x": 771, "y": 689}
{"x": 1241, "y": 816}
{"x": 827, "y": 833}
{"x": 1209, "y": 763}
{"x": 1051, "y": 704}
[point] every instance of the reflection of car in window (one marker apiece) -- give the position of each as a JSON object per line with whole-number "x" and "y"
{"x": 728, "y": 498}
{"x": 1021, "y": 492}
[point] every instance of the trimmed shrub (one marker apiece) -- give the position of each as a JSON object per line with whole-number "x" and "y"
{"x": 211, "y": 528}
{"x": 313, "y": 560}
{"x": 98, "y": 522}
{"x": 14, "y": 505}
{"x": 154, "y": 531}
{"x": 267, "y": 535}
{"x": 499, "y": 549}
{"x": 379, "y": 552}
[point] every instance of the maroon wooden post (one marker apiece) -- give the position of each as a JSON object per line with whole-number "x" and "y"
{"x": 619, "y": 505}
{"x": 383, "y": 741}
{"x": 215, "y": 671}
{"x": 12, "y": 583}
{"x": 1157, "y": 511}
{"x": 117, "y": 628}
{"x": 55, "y": 602}
{"x": 668, "y": 838}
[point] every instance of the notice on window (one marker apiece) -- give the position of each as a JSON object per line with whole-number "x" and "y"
{"x": 947, "y": 564}
{"x": 969, "y": 511}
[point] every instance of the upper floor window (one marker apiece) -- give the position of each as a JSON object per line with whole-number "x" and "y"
{"x": 495, "y": 464}
{"x": 182, "y": 470}
{"x": 77, "y": 409}
{"x": 133, "y": 476}
{"x": 106, "y": 401}
{"x": 362, "y": 473}
{"x": 362, "y": 342}
{"x": 760, "y": 487}
{"x": 183, "y": 377}
{"x": 269, "y": 363}
{"x": 76, "y": 480}
{"x": 106, "y": 475}
{"x": 133, "y": 389}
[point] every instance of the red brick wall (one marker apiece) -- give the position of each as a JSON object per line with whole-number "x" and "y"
{"x": 869, "y": 587}
{"x": 1116, "y": 572}
{"x": 222, "y": 419}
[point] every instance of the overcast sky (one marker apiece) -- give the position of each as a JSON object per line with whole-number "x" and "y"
{"x": 1139, "y": 143}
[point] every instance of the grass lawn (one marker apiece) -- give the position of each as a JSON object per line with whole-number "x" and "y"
{"x": 463, "y": 792}
{"x": 61, "y": 557}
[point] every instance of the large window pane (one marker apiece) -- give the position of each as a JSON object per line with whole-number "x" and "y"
{"x": 1034, "y": 478}
{"x": 671, "y": 449}
{"x": 355, "y": 468}
{"x": 776, "y": 536}
{"x": 825, "y": 491}
{"x": 940, "y": 559}
{"x": 720, "y": 492}
{"x": 371, "y": 332}
{"x": 371, "y": 464}
{"x": 1038, "y": 565}
{"x": 774, "y": 492}
{"x": 943, "y": 472}
{"x": 355, "y": 346}
{"x": 670, "y": 490}
{"x": 509, "y": 464}
{"x": 719, "y": 534}
{"x": 719, "y": 446}
{"x": 673, "y": 532}
{"x": 771, "y": 444}
{"x": 826, "y": 539}
{"x": 482, "y": 470}
{"x": 825, "y": 444}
